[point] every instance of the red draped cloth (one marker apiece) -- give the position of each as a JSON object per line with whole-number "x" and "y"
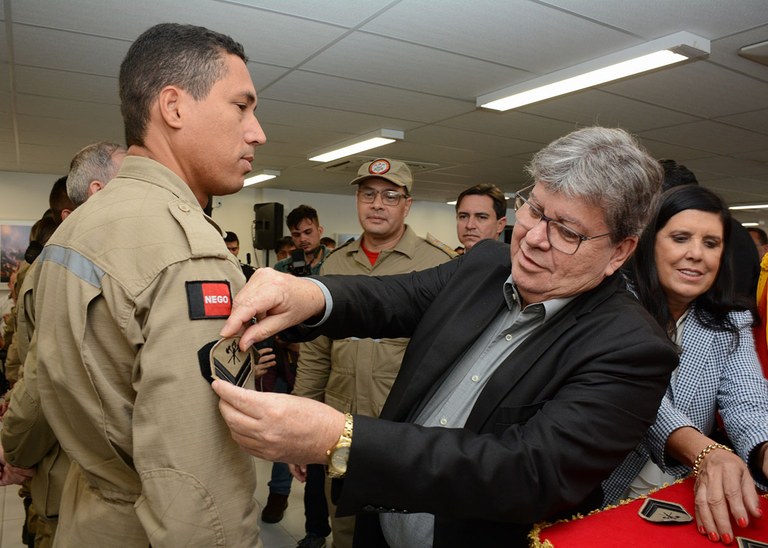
{"x": 622, "y": 526}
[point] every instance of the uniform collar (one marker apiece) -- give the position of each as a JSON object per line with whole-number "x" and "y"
{"x": 406, "y": 246}
{"x": 152, "y": 172}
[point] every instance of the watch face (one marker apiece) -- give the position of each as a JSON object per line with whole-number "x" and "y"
{"x": 339, "y": 459}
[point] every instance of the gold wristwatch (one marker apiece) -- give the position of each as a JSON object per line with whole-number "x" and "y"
{"x": 338, "y": 455}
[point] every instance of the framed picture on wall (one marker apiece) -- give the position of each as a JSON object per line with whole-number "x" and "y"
{"x": 14, "y": 240}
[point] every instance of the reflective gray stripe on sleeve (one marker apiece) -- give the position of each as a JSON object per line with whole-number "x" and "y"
{"x": 73, "y": 261}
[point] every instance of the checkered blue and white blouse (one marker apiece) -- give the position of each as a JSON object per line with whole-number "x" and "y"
{"x": 714, "y": 375}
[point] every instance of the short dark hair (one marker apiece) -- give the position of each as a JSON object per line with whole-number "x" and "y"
{"x": 283, "y": 242}
{"x": 761, "y": 235}
{"x": 299, "y": 214}
{"x": 231, "y": 237}
{"x": 490, "y": 190}
{"x": 327, "y": 240}
{"x": 676, "y": 174}
{"x": 186, "y": 56}
{"x": 58, "y": 200}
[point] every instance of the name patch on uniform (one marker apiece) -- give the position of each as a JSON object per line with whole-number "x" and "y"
{"x": 209, "y": 300}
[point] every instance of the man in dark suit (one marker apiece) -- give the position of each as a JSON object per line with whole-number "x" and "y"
{"x": 518, "y": 393}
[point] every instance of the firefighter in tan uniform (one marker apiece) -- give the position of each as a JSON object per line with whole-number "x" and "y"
{"x": 356, "y": 375}
{"x": 27, "y": 439}
{"x": 130, "y": 288}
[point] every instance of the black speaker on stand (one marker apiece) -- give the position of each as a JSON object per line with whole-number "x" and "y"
{"x": 267, "y": 226}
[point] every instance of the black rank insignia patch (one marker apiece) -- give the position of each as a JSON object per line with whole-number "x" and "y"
{"x": 231, "y": 364}
{"x": 664, "y": 512}
{"x": 749, "y": 543}
{"x": 209, "y": 300}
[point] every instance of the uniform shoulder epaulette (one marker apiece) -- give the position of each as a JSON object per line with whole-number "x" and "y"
{"x": 430, "y": 239}
{"x": 342, "y": 246}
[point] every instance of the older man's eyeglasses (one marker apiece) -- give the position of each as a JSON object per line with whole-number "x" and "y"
{"x": 562, "y": 238}
{"x": 388, "y": 197}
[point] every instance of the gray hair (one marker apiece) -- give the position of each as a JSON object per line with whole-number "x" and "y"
{"x": 92, "y": 163}
{"x": 607, "y": 168}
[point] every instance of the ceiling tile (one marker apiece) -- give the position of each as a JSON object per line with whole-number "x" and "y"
{"x": 709, "y": 19}
{"x": 66, "y": 85}
{"x": 710, "y": 136}
{"x": 525, "y": 35}
{"x": 380, "y": 60}
{"x": 699, "y": 88}
{"x": 595, "y": 107}
{"x": 332, "y": 92}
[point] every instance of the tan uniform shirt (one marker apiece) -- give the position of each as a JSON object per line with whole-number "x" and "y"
{"x": 356, "y": 375}
{"x": 27, "y": 438}
{"x": 17, "y": 344}
{"x": 119, "y": 378}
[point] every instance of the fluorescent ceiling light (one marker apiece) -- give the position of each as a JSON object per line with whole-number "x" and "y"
{"x": 375, "y": 139}
{"x": 752, "y": 206}
{"x": 261, "y": 176}
{"x": 749, "y": 224}
{"x": 665, "y": 51}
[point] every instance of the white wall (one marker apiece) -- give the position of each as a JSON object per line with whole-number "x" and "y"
{"x": 24, "y": 196}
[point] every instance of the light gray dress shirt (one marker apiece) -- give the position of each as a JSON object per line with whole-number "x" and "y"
{"x": 452, "y": 401}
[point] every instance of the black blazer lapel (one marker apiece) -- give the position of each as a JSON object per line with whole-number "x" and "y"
{"x": 535, "y": 350}
{"x": 450, "y": 326}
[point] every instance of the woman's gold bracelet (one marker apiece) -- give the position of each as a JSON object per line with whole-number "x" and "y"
{"x": 704, "y": 452}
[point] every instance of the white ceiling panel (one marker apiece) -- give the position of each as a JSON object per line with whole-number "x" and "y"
{"x": 710, "y": 136}
{"x": 4, "y": 53}
{"x": 753, "y": 155}
{"x": 262, "y": 33}
{"x": 380, "y": 60}
{"x": 52, "y": 159}
{"x": 122, "y": 20}
{"x": 328, "y": 91}
{"x": 510, "y": 33}
{"x": 663, "y": 149}
{"x": 264, "y": 75}
{"x": 755, "y": 121}
{"x": 72, "y": 110}
{"x": 5, "y": 107}
{"x": 327, "y": 73}
{"x": 55, "y": 131}
{"x": 699, "y": 88}
{"x": 725, "y": 52}
{"x": 730, "y": 167}
{"x": 651, "y": 19}
{"x": 743, "y": 191}
{"x": 66, "y": 51}
{"x": 307, "y": 116}
{"x": 594, "y": 107}
{"x": 490, "y": 144}
{"x": 66, "y": 85}
{"x": 354, "y": 12}
{"x": 527, "y": 127}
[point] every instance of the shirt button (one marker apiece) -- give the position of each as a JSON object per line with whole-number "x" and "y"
{"x": 508, "y": 338}
{"x": 475, "y": 378}
{"x": 184, "y": 208}
{"x": 443, "y": 421}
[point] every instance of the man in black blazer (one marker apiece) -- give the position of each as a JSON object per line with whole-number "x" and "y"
{"x": 518, "y": 393}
